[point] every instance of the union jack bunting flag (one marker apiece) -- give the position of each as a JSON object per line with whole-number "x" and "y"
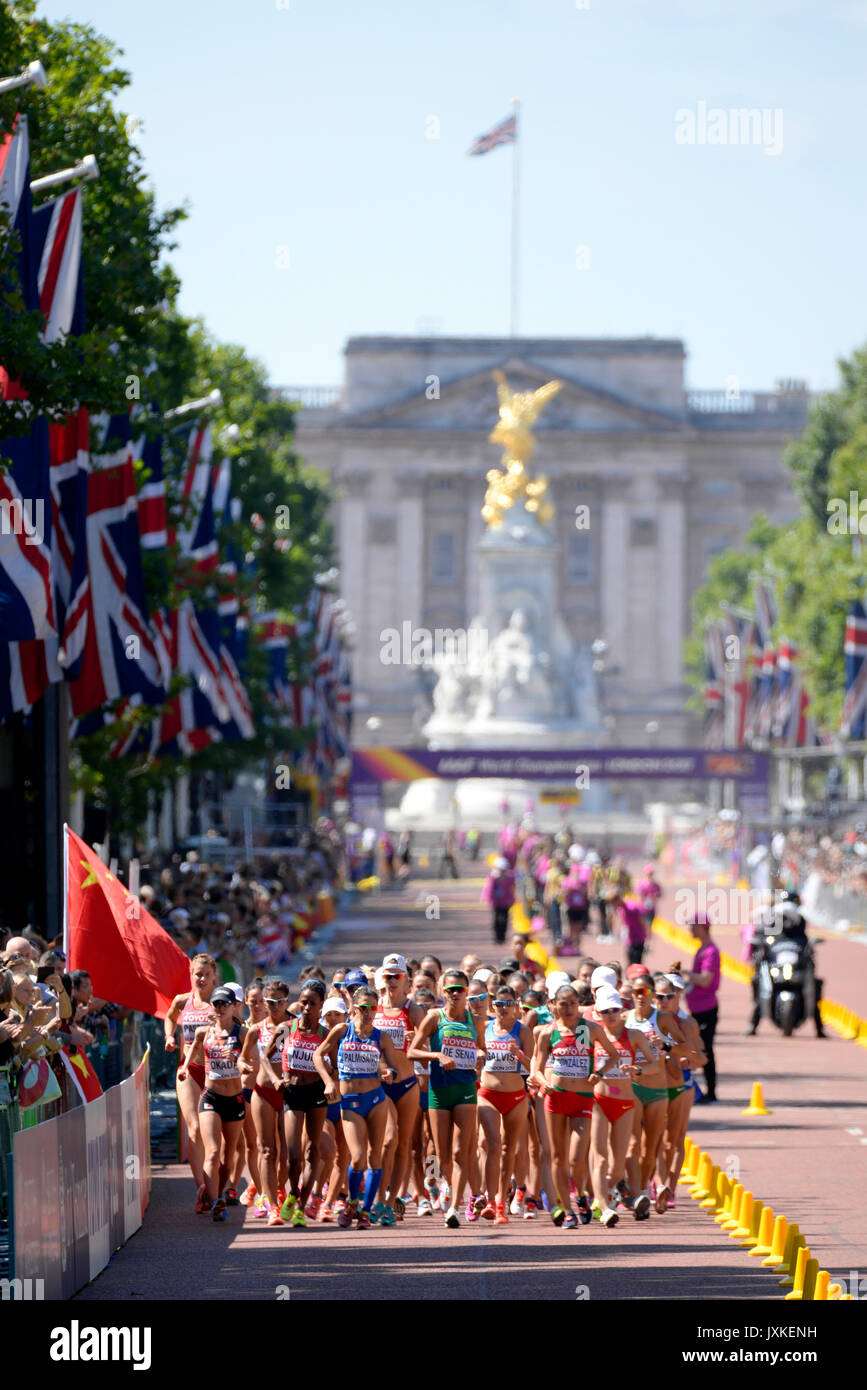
{"x": 506, "y": 133}
{"x": 120, "y": 654}
{"x": 852, "y": 718}
{"x": 27, "y": 608}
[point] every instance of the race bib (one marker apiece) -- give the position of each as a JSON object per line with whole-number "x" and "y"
{"x": 359, "y": 1059}
{"x": 298, "y": 1054}
{"x": 462, "y": 1051}
{"x": 571, "y": 1064}
{"x": 499, "y": 1056}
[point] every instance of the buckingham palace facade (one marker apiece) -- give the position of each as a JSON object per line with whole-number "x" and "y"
{"x": 670, "y": 475}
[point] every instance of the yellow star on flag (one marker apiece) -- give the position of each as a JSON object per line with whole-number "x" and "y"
{"x": 91, "y": 874}
{"x": 78, "y": 1061}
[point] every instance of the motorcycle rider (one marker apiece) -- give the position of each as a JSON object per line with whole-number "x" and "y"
{"x": 787, "y": 920}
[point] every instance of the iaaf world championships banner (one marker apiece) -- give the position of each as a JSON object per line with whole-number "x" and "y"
{"x": 547, "y": 764}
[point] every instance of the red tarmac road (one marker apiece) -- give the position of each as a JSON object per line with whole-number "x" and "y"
{"x": 808, "y": 1160}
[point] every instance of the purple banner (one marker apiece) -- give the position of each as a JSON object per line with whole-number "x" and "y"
{"x": 374, "y": 765}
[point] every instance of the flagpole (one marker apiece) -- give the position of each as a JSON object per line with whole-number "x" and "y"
{"x": 513, "y": 305}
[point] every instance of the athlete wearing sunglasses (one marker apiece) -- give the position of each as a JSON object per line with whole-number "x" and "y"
{"x": 398, "y": 1017}
{"x": 503, "y": 1098}
{"x": 449, "y": 1037}
{"x": 356, "y": 1051}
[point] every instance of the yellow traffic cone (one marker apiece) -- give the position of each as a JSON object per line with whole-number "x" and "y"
{"x": 797, "y": 1292}
{"x": 755, "y": 1218}
{"x": 757, "y": 1102}
{"x": 701, "y": 1187}
{"x": 688, "y": 1146}
{"x": 694, "y": 1166}
{"x": 766, "y": 1232}
{"x": 713, "y": 1199}
{"x": 820, "y": 1291}
{"x": 745, "y": 1217}
{"x": 724, "y": 1187}
{"x": 791, "y": 1259}
{"x": 778, "y": 1244}
{"x": 730, "y": 1221}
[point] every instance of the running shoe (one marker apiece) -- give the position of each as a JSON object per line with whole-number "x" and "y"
{"x": 345, "y": 1217}
{"x": 424, "y": 1208}
{"x": 489, "y": 1211}
{"x": 571, "y": 1222}
{"x": 609, "y": 1217}
{"x": 299, "y": 1220}
{"x": 558, "y": 1215}
{"x": 399, "y": 1208}
{"x": 232, "y": 1198}
{"x": 261, "y": 1209}
{"x": 339, "y": 1205}
{"x": 671, "y": 1202}
{"x": 325, "y": 1213}
{"x": 375, "y": 1212}
{"x": 585, "y": 1216}
{"x": 501, "y": 1219}
{"x": 218, "y": 1210}
{"x": 287, "y": 1207}
{"x": 641, "y": 1207}
{"x": 453, "y": 1221}
{"x": 314, "y": 1201}
{"x": 662, "y": 1200}
{"x": 202, "y": 1203}
{"x": 530, "y": 1208}
{"x": 274, "y": 1218}
{"x": 471, "y": 1213}
{"x": 518, "y": 1201}
{"x": 281, "y": 1196}
{"x": 596, "y": 1210}
{"x": 248, "y": 1196}
{"x": 388, "y": 1217}
{"x": 364, "y": 1220}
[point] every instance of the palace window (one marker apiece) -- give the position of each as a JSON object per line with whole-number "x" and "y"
{"x": 579, "y": 559}
{"x": 443, "y": 567}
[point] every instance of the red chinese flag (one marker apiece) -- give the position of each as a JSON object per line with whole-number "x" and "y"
{"x": 129, "y": 958}
{"x": 80, "y": 1068}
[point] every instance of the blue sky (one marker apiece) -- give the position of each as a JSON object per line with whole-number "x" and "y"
{"x": 298, "y": 129}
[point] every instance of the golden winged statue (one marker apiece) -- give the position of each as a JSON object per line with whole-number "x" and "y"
{"x": 510, "y": 483}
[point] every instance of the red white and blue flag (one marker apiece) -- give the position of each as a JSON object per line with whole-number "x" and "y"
{"x": 506, "y": 133}
{"x": 852, "y": 718}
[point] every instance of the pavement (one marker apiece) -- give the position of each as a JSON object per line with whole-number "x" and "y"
{"x": 808, "y": 1160}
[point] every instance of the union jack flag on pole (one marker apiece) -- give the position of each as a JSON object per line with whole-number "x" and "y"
{"x": 506, "y": 133}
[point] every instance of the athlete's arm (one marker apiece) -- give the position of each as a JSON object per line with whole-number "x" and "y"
{"x": 692, "y": 1034}
{"x": 524, "y": 1051}
{"x": 640, "y": 1044}
{"x": 328, "y": 1048}
{"x": 388, "y": 1052}
{"x": 196, "y": 1053}
{"x": 424, "y": 1054}
{"x": 171, "y": 1019}
{"x": 598, "y": 1034}
{"x": 540, "y": 1055}
{"x": 247, "y": 1062}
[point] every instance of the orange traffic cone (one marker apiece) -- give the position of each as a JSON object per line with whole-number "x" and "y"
{"x": 757, "y": 1102}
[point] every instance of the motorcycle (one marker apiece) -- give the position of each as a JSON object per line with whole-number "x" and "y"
{"x": 785, "y": 980}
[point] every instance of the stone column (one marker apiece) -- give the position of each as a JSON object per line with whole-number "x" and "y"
{"x": 671, "y": 594}
{"x": 409, "y": 594}
{"x": 353, "y": 487}
{"x": 612, "y": 570}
